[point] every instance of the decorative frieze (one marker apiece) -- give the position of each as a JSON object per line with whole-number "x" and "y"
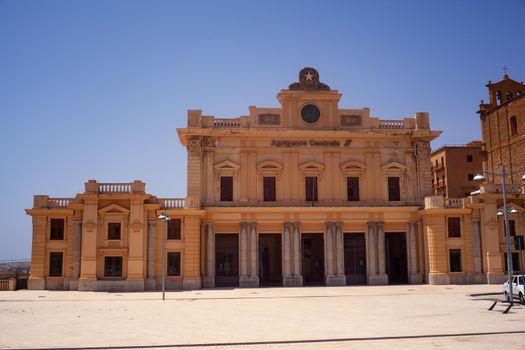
{"x": 269, "y": 119}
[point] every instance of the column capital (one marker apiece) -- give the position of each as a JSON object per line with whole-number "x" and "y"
{"x": 296, "y": 225}
{"x": 371, "y": 223}
{"x": 329, "y": 223}
{"x": 380, "y": 223}
{"x": 339, "y": 224}
{"x": 476, "y": 220}
{"x": 253, "y": 224}
{"x": 209, "y": 224}
{"x": 152, "y": 221}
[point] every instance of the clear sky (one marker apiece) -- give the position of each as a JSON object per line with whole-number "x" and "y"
{"x": 96, "y": 89}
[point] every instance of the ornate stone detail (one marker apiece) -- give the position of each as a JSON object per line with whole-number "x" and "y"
{"x": 90, "y": 226}
{"x": 309, "y": 80}
{"x": 210, "y": 142}
{"x": 351, "y": 120}
{"x": 195, "y": 145}
{"x": 136, "y": 225}
{"x": 269, "y": 119}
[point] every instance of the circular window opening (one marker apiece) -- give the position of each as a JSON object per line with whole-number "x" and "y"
{"x": 310, "y": 114}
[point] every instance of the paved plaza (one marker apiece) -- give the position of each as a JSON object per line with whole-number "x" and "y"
{"x": 364, "y": 317}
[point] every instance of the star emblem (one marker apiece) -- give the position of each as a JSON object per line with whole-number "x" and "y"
{"x": 309, "y": 76}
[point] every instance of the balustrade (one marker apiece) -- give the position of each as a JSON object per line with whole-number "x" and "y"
{"x": 171, "y": 203}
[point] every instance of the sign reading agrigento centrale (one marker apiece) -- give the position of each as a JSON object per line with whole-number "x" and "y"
{"x": 312, "y": 143}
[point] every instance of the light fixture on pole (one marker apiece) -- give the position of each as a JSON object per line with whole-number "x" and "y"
{"x": 164, "y": 217}
{"x": 503, "y": 173}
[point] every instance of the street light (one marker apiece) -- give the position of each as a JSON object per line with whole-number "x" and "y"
{"x": 164, "y": 217}
{"x": 503, "y": 173}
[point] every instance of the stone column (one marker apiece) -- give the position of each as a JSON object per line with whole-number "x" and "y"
{"x": 477, "y": 276}
{"x": 297, "y": 264}
{"x": 287, "y": 278}
{"x": 251, "y": 279}
{"x": 340, "y": 249}
{"x": 415, "y": 275}
{"x": 77, "y": 242}
{"x": 335, "y": 257}
{"x": 381, "y": 258}
{"x": 253, "y": 251}
{"x": 371, "y": 256}
{"x": 209, "y": 280}
{"x": 152, "y": 232}
{"x": 243, "y": 243}
{"x": 329, "y": 249}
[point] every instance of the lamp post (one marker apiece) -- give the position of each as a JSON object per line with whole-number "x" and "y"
{"x": 503, "y": 174}
{"x": 164, "y": 217}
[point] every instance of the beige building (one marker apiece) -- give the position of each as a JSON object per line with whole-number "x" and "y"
{"x": 304, "y": 194}
{"x": 454, "y": 168}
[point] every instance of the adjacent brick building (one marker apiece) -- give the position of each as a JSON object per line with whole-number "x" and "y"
{"x": 453, "y": 169}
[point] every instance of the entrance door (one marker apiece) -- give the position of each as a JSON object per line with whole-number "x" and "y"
{"x": 270, "y": 272}
{"x": 355, "y": 258}
{"x": 227, "y": 260}
{"x": 313, "y": 259}
{"x": 396, "y": 258}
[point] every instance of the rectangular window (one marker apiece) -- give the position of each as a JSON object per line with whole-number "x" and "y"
{"x": 454, "y": 227}
{"x": 455, "y": 260}
{"x": 55, "y": 264}
{"x": 470, "y": 177}
{"x": 113, "y": 266}
{"x": 173, "y": 264}
{"x": 519, "y": 243}
{"x": 174, "y": 228}
{"x": 352, "y": 186}
{"x": 469, "y": 158}
{"x": 114, "y": 230}
{"x": 311, "y": 188}
{"x": 269, "y": 189}
{"x": 512, "y": 227}
{"x": 393, "y": 189}
{"x": 513, "y": 126}
{"x": 57, "y": 229}
{"x": 226, "y": 188}
{"x": 515, "y": 262}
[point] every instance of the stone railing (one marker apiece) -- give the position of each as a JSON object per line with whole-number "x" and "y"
{"x": 226, "y": 123}
{"x": 114, "y": 187}
{"x": 391, "y": 124}
{"x": 454, "y": 202}
{"x": 58, "y": 202}
{"x": 510, "y": 188}
{"x": 136, "y": 187}
{"x": 174, "y": 203}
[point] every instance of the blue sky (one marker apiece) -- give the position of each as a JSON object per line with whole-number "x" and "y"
{"x": 96, "y": 89}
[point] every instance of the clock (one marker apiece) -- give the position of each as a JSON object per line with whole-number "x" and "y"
{"x": 310, "y": 114}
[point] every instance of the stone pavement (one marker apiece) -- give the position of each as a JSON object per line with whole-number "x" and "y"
{"x": 364, "y": 317}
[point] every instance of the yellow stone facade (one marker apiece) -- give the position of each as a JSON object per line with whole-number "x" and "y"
{"x": 308, "y": 193}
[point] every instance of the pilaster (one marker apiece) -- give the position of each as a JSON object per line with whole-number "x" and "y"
{"x": 287, "y": 277}
{"x": 209, "y": 279}
{"x": 415, "y": 275}
{"x": 150, "y": 281}
{"x": 297, "y": 266}
{"x": 382, "y": 277}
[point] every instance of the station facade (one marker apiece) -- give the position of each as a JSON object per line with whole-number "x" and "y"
{"x": 305, "y": 194}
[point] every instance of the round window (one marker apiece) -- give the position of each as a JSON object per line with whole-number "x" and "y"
{"x": 310, "y": 114}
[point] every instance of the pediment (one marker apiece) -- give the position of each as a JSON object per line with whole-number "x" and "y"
{"x": 511, "y": 205}
{"x": 311, "y": 166}
{"x": 353, "y": 165}
{"x": 269, "y": 165}
{"x": 226, "y": 164}
{"x": 394, "y": 166}
{"x": 113, "y": 209}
